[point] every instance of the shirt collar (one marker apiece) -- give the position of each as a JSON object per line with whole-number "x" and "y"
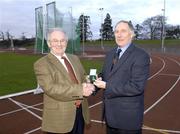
{"x": 124, "y": 48}
{"x": 57, "y": 56}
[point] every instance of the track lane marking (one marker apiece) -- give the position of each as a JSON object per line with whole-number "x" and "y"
{"x": 14, "y": 111}
{"x": 168, "y": 91}
{"x": 24, "y": 108}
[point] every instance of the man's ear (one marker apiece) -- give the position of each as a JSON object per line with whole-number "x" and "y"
{"x": 132, "y": 35}
{"x": 48, "y": 43}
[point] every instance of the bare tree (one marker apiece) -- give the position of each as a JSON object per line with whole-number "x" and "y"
{"x": 2, "y": 35}
{"x": 173, "y": 32}
{"x": 8, "y": 35}
{"x": 138, "y": 32}
{"x": 23, "y": 37}
{"x": 153, "y": 27}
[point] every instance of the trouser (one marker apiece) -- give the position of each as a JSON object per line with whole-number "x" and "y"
{"x": 78, "y": 127}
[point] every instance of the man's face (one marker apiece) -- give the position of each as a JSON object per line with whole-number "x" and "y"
{"x": 57, "y": 43}
{"x": 123, "y": 35}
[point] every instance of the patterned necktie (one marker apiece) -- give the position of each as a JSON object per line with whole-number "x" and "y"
{"x": 73, "y": 77}
{"x": 70, "y": 70}
{"x": 116, "y": 57}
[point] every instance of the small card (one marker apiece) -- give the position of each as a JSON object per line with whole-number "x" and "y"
{"x": 92, "y": 72}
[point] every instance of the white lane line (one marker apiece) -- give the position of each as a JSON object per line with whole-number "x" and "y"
{"x": 14, "y": 111}
{"x": 173, "y": 60}
{"x": 161, "y": 98}
{"x": 152, "y": 106}
{"x": 159, "y": 70}
{"x": 97, "y": 121}
{"x": 17, "y": 103}
{"x": 162, "y": 130}
{"x": 176, "y": 75}
{"x": 144, "y": 127}
{"x": 31, "y": 107}
{"x": 34, "y": 130}
{"x": 16, "y": 94}
{"x": 95, "y": 104}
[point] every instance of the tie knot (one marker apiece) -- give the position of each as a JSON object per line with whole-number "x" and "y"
{"x": 63, "y": 57}
{"x": 118, "y": 51}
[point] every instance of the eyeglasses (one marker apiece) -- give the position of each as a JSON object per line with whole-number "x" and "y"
{"x": 58, "y": 41}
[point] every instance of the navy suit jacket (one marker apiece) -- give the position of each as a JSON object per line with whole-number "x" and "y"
{"x": 125, "y": 84}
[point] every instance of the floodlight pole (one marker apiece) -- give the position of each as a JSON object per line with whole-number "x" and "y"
{"x": 163, "y": 30}
{"x": 12, "y": 43}
{"x": 83, "y": 32}
{"x": 101, "y": 9}
{"x": 72, "y": 41}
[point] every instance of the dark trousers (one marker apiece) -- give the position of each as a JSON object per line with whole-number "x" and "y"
{"x": 78, "y": 127}
{"x": 110, "y": 130}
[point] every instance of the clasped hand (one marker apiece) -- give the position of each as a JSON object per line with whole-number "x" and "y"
{"x": 88, "y": 89}
{"x": 99, "y": 83}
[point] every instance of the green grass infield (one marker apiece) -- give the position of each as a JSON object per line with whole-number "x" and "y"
{"x": 16, "y": 72}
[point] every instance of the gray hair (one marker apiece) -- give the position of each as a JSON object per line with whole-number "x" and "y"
{"x": 128, "y": 23}
{"x": 51, "y": 30}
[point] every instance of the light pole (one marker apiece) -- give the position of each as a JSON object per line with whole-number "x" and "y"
{"x": 12, "y": 43}
{"x": 163, "y": 30}
{"x": 72, "y": 36}
{"x": 83, "y": 32}
{"x": 101, "y": 10}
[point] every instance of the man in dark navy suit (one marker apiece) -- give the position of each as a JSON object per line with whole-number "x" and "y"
{"x": 124, "y": 76}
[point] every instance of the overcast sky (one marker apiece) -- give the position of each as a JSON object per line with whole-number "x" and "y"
{"x": 17, "y": 16}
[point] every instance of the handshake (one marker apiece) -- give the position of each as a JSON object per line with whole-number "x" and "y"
{"x": 93, "y": 83}
{"x": 88, "y": 89}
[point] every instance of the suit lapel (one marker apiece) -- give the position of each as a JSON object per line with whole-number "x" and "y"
{"x": 110, "y": 58}
{"x": 58, "y": 65}
{"x": 122, "y": 59}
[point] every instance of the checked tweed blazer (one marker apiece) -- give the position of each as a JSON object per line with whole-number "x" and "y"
{"x": 60, "y": 93}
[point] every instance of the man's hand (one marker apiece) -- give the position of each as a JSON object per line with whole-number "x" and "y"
{"x": 99, "y": 83}
{"x": 88, "y": 88}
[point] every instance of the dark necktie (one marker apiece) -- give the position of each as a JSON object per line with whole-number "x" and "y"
{"x": 70, "y": 70}
{"x": 116, "y": 57}
{"x": 73, "y": 77}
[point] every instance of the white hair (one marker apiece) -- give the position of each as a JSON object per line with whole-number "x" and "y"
{"x": 51, "y": 30}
